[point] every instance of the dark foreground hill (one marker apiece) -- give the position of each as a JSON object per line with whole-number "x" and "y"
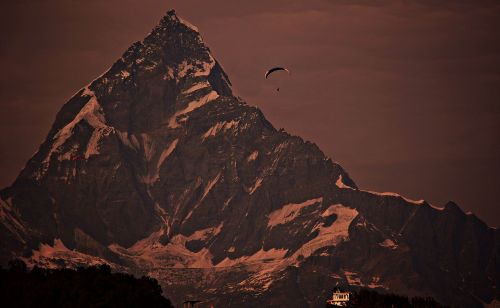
{"x": 83, "y": 287}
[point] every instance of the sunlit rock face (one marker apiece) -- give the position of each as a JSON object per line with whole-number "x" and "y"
{"x": 157, "y": 168}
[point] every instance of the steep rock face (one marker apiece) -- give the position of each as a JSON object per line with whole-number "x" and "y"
{"x": 157, "y": 168}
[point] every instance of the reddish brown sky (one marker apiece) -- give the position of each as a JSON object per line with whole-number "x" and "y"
{"x": 404, "y": 94}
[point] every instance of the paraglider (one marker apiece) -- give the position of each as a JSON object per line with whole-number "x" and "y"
{"x": 275, "y": 69}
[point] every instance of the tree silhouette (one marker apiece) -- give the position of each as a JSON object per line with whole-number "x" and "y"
{"x": 92, "y": 286}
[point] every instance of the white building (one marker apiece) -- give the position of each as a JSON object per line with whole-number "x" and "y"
{"x": 339, "y": 298}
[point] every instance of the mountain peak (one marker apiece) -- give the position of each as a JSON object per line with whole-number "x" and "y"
{"x": 171, "y": 19}
{"x": 170, "y": 16}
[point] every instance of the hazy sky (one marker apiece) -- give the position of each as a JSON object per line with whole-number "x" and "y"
{"x": 405, "y": 95}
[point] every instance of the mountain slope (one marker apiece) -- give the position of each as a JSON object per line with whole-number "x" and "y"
{"x": 157, "y": 168}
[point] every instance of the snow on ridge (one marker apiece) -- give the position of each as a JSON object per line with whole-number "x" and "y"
{"x": 392, "y": 194}
{"x": 332, "y": 209}
{"x": 93, "y": 143}
{"x": 210, "y": 185}
{"x": 224, "y": 125}
{"x": 45, "y": 249}
{"x": 253, "y": 156}
{"x": 261, "y": 255}
{"x": 227, "y": 202}
{"x": 197, "y": 69}
{"x": 289, "y": 212}
{"x": 212, "y": 131}
{"x": 197, "y": 86}
{"x": 255, "y": 186}
{"x": 9, "y": 220}
{"x": 166, "y": 153}
{"x": 150, "y": 242}
{"x": 437, "y": 208}
{"x": 169, "y": 75}
{"x": 207, "y": 67}
{"x": 172, "y": 123}
{"x": 340, "y": 183}
{"x": 188, "y": 24}
{"x": 183, "y": 69}
{"x": 206, "y": 190}
{"x": 151, "y": 151}
{"x": 281, "y": 147}
{"x": 92, "y": 112}
{"x": 204, "y": 234}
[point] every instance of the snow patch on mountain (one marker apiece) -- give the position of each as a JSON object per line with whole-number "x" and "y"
{"x": 206, "y": 190}
{"x": 210, "y": 185}
{"x": 153, "y": 254}
{"x": 259, "y": 256}
{"x": 196, "y": 87}
{"x": 93, "y": 145}
{"x": 289, "y": 212}
{"x": 151, "y": 152}
{"x": 332, "y": 235}
{"x": 255, "y": 186}
{"x": 169, "y": 75}
{"x": 353, "y": 278}
{"x": 206, "y": 67}
{"x": 219, "y": 126}
{"x": 196, "y": 68}
{"x": 51, "y": 256}
{"x": 166, "y": 153}
{"x": 205, "y": 233}
{"x": 9, "y": 220}
{"x": 340, "y": 183}
{"x": 92, "y": 113}
{"x": 253, "y": 156}
{"x": 172, "y": 123}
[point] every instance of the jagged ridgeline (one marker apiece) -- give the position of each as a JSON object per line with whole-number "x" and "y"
{"x": 157, "y": 168}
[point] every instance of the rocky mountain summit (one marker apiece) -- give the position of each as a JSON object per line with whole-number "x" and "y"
{"x": 157, "y": 168}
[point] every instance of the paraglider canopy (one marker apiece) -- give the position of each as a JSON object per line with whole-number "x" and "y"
{"x": 274, "y": 69}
